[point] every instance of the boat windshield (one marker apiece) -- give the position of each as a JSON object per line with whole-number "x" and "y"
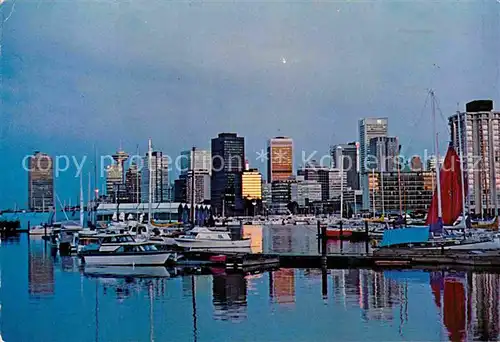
{"x": 118, "y": 239}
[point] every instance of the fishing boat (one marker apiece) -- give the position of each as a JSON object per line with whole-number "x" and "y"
{"x": 204, "y": 238}
{"x": 122, "y": 250}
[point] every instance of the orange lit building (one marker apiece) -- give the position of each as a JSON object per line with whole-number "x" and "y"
{"x": 280, "y": 159}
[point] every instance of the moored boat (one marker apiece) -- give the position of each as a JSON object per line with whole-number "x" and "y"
{"x": 122, "y": 250}
{"x": 204, "y": 238}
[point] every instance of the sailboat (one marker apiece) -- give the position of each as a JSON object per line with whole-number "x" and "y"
{"x": 446, "y": 206}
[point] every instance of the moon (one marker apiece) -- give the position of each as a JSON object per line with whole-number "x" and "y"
{"x": 283, "y": 60}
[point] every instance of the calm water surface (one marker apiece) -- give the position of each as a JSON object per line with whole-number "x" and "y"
{"x": 49, "y": 298}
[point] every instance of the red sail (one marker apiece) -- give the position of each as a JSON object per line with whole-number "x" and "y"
{"x": 451, "y": 190}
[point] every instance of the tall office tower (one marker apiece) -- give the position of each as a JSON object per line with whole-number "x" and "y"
{"x": 383, "y": 152}
{"x": 369, "y": 128}
{"x": 350, "y": 153}
{"x": 478, "y": 129}
{"x": 159, "y": 178}
{"x": 280, "y": 159}
{"x": 228, "y": 160}
{"x": 115, "y": 178}
{"x": 40, "y": 182}
{"x": 133, "y": 183}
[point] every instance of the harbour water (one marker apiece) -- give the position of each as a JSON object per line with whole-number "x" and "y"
{"x": 45, "y": 297}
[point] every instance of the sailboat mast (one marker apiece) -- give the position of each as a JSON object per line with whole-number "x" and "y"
{"x": 436, "y": 152}
{"x": 81, "y": 199}
{"x": 341, "y": 186}
{"x": 373, "y": 192}
{"x": 382, "y": 161}
{"x": 191, "y": 212}
{"x": 461, "y": 162}
{"x": 150, "y": 184}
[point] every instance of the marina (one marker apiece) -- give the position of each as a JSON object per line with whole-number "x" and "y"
{"x": 193, "y": 303}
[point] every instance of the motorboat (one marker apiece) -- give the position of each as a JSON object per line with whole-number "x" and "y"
{"x": 204, "y": 238}
{"x": 122, "y": 250}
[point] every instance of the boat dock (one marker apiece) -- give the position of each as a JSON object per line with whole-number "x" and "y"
{"x": 387, "y": 259}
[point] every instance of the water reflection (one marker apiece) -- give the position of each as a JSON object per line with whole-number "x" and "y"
{"x": 458, "y": 305}
{"x": 282, "y": 286}
{"x": 230, "y": 297}
{"x": 40, "y": 271}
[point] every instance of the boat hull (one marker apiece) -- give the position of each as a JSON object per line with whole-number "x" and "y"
{"x": 194, "y": 244}
{"x": 123, "y": 259}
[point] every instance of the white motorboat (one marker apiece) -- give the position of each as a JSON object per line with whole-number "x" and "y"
{"x": 204, "y": 238}
{"x": 123, "y": 250}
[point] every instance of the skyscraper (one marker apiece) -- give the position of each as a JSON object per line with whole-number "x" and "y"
{"x": 40, "y": 182}
{"x": 228, "y": 159}
{"x": 201, "y": 186}
{"x": 115, "y": 177}
{"x": 351, "y": 164}
{"x": 478, "y": 128}
{"x": 370, "y": 128}
{"x": 313, "y": 171}
{"x": 159, "y": 178}
{"x": 133, "y": 183}
{"x": 383, "y": 152}
{"x": 280, "y": 159}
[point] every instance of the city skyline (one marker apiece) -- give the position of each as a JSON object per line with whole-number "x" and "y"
{"x": 63, "y": 97}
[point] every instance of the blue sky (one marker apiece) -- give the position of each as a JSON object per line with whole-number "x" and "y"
{"x": 81, "y": 73}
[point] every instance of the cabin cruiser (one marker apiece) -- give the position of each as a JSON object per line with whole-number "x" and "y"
{"x": 204, "y": 238}
{"x": 122, "y": 250}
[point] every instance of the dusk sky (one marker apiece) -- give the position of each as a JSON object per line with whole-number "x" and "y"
{"x": 81, "y": 73}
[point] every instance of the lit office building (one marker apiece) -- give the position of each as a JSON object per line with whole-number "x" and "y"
{"x": 409, "y": 191}
{"x": 252, "y": 184}
{"x": 280, "y": 159}
{"x": 133, "y": 183}
{"x": 40, "y": 182}
{"x": 115, "y": 178}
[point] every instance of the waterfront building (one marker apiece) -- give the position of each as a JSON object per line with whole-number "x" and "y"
{"x": 305, "y": 192}
{"x": 159, "y": 178}
{"x": 280, "y": 159}
{"x": 40, "y": 182}
{"x": 252, "y": 184}
{"x": 416, "y": 189}
{"x": 350, "y": 154}
{"x": 383, "y": 152}
{"x": 228, "y": 158}
{"x": 133, "y": 183}
{"x": 480, "y": 140}
{"x": 313, "y": 171}
{"x": 431, "y": 162}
